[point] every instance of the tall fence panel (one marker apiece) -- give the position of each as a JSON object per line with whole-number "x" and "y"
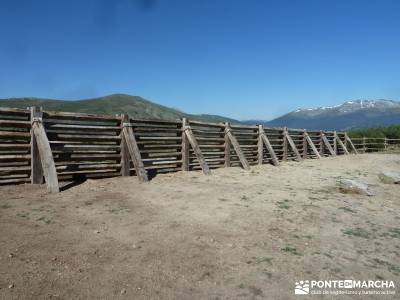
{"x": 211, "y": 140}
{"x": 297, "y": 138}
{"x": 247, "y": 137}
{"x": 160, "y": 144}
{"x": 15, "y": 137}
{"x": 275, "y": 137}
{"x": 84, "y": 145}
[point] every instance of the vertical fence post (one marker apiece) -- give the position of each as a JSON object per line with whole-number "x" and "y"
{"x": 321, "y": 143}
{"x": 185, "y": 146}
{"x": 260, "y": 145}
{"x": 125, "y": 161}
{"x": 285, "y": 144}
{"x": 227, "y": 149}
{"x": 36, "y": 164}
{"x": 364, "y": 145}
{"x": 305, "y": 144}
{"x": 386, "y": 143}
{"x": 335, "y": 137}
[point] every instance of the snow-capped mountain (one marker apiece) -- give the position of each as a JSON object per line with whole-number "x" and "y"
{"x": 349, "y": 115}
{"x": 351, "y": 106}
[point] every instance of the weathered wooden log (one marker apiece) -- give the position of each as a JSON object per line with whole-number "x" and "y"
{"x": 46, "y": 156}
{"x": 125, "y": 162}
{"x": 134, "y": 152}
{"x": 327, "y": 144}
{"x": 341, "y": 144}
{"x": 185, "y": 147}
{"x": 351, "y": 143}
{"x": 310, "y": 142}
{"x": 236, "y": 147}
{"x": 192, "y": 140}
{"x": 292, "y": 145}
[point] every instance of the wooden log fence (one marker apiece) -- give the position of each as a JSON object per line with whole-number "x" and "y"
{"x": 374, "y": 144}
{"x": 39, "y": 146}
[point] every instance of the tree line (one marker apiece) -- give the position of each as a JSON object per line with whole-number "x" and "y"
{"x": 390, "y": 132}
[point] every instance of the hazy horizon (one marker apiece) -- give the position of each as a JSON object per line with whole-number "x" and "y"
{"x": 190, "y": 112}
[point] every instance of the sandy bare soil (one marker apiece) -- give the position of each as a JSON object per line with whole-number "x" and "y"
{"x": 231, "y": 235}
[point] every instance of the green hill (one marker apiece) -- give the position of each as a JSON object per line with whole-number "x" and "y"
{"x": 135, "y": 106}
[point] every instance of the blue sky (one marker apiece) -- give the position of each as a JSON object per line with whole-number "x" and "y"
{"x": 242, "y": 59}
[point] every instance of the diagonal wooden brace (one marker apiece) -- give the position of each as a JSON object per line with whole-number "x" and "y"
{"x": 236, "y": 147}
{"x": 292, "y": 145}
{"x": 351, "y": 143}
{"x": 265, "y": 141}
{"x": 327, "y": 144}
{"x": 310, "y": 142}
{"x": 130, "y": 141}
{"x": 341, "y": 144}
{"x": 196, "y": 149}
{"x": 46, "y": 156}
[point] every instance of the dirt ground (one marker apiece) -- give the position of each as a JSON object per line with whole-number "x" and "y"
{"x": 234, "y": 234}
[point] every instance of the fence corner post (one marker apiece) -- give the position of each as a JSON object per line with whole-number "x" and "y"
{"x": 36, "y": 164}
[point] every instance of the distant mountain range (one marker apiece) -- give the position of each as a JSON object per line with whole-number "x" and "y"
{"x": 135, "y": 106}
{"x": 349, "y": 115}
{"x": 346, "y": 116}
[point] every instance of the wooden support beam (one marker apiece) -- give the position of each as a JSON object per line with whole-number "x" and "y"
{"x": 227, "y": 147}
{"x": 185, "y": 146}
{"x": 335, "y": 142}
{"x": 305, "y": 144}
{"x": 364, "y": 144}
{"x": 46, "y": 156}
{"x": 36, "y": 164}
{"x": 196, "y": 149}
{"x": 236, "y": 146}
{"x": 321, "y": 143}
{"x": 341, "y": 144}
{"x": 310, "y": 142}
{"x": 125, "y": 161}
{"x": 265, "y": 141}
{"x": 260, "y": 145}
{"x": 351, "y": 142}
{"x": 293, "y": 146}
{"x": 326, "y": 143}
{"x": 129, "y": 137}
{"x": 284, "y": 144}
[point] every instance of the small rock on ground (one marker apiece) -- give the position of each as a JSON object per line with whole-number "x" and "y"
{"x": 389, "y": 177}
{"x": 353, "y": 186}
